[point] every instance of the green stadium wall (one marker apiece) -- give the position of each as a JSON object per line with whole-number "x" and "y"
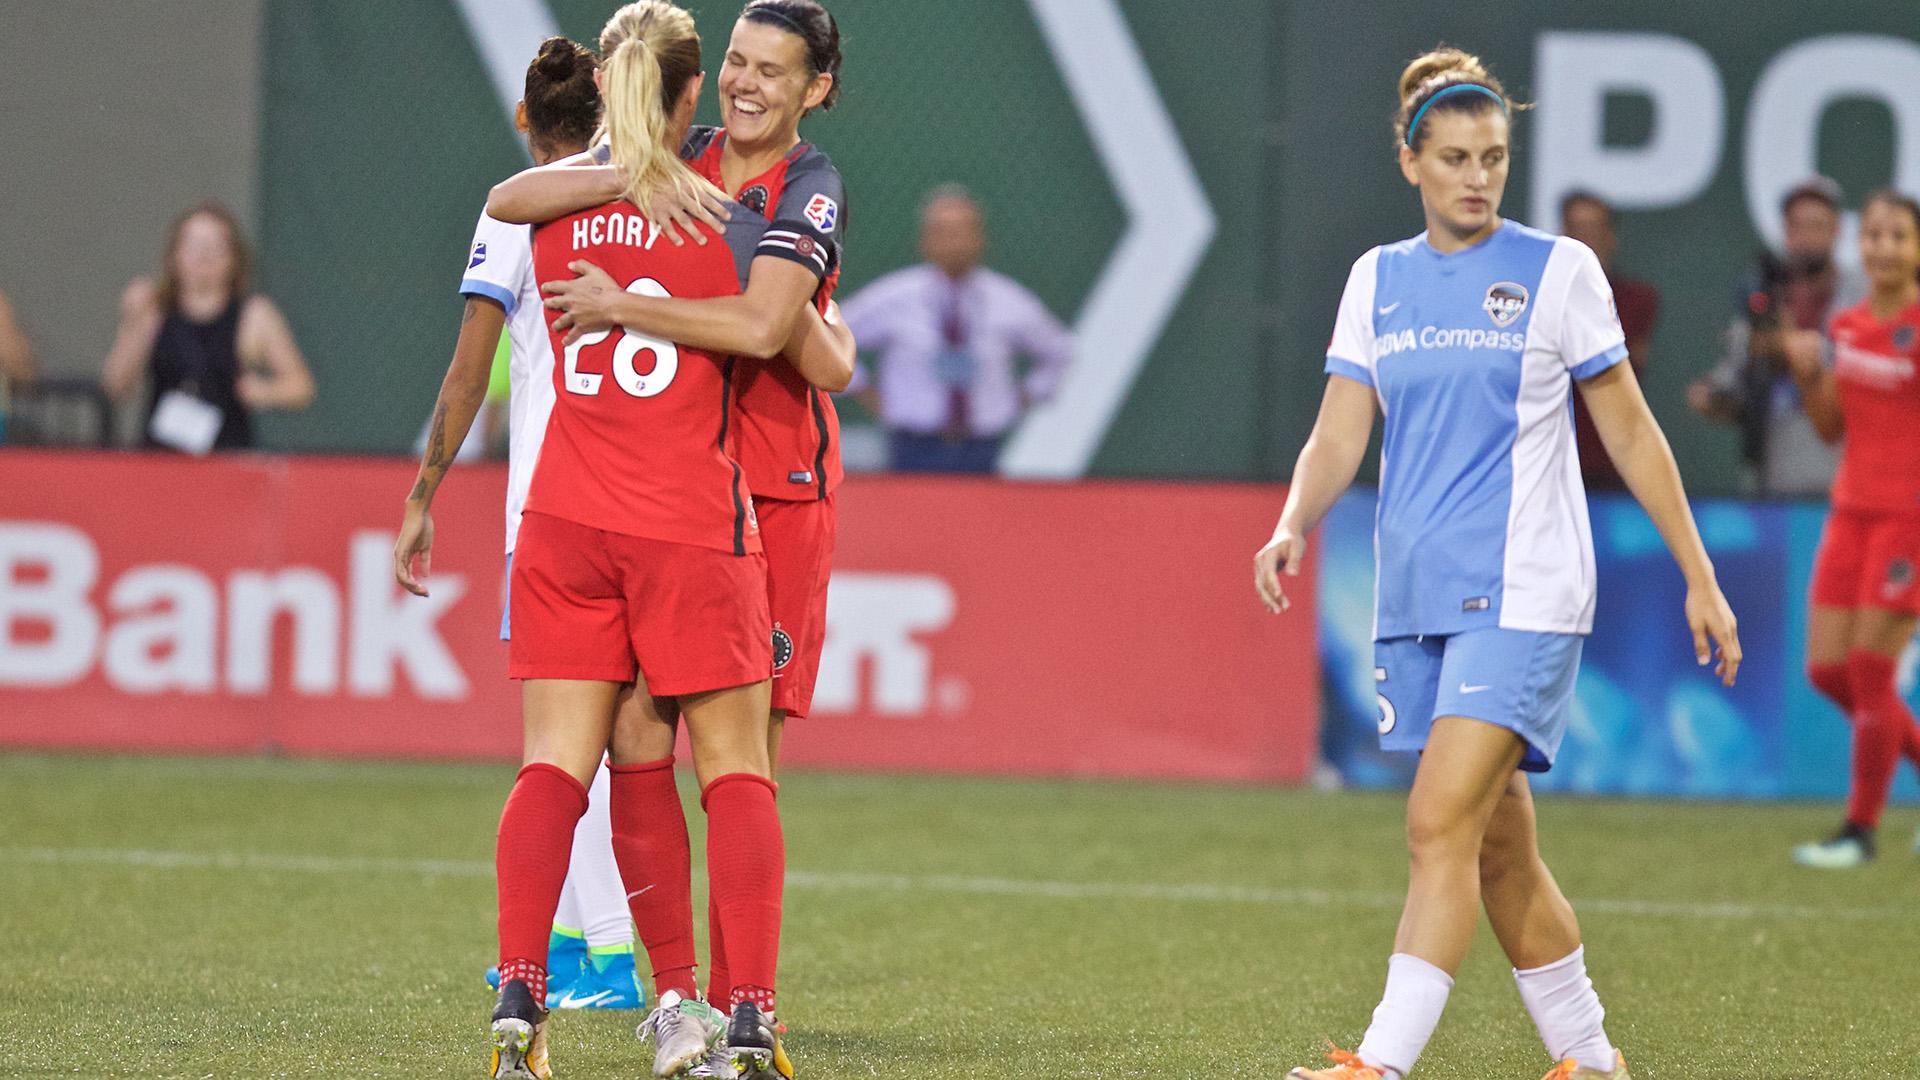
{"x": 382, "y": 133}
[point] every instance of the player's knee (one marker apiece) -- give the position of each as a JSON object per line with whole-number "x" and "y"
{"x": 1436, "y": 835}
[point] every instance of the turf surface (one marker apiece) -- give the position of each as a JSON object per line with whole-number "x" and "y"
{"x": 249, "y": 918}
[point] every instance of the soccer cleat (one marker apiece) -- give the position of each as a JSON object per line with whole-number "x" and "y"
{"x": 717, "y": 1065}
{"x": 1573, "y": 1070}
{"x": 753, "y": 1045}
{"x": 519, "y": 1036}
{"x": 608, "y": 981}
{"x": 1345, "y": 1067}
{"x": 685, "y": 1033}
{"x": 566, "y": 959}
{"x": 1850, "y": 847}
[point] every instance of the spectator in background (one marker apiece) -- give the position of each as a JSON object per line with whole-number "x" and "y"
{"x": 213, "y": 351}
{"x": 1588, "y": 218}
{"x": 946, "y": 333}
{"x": 1751, "y": 386}
{"x": 16, "y": 359}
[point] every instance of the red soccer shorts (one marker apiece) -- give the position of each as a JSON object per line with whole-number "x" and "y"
{"x": 798, "y": 537}
{"x": 591, "y": 604}
{"x": 1869, "y": 559}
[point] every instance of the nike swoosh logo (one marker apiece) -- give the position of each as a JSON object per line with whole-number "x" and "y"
{"x": 1465, "y": 689}
{"x": 638, "y": 892}
{"x": 571, "y": 1002}
{"x": 1391, "y": 308}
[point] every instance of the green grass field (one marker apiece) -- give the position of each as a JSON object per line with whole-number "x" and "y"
{"x": 249, "y": 918}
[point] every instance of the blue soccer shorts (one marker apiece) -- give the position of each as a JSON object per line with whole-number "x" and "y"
{"x": 1516, "y": 679}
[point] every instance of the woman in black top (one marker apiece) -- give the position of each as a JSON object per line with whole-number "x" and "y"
{"x": 214, "y": 352}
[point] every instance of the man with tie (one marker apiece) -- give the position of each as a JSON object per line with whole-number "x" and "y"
{"x": 946, "y": 335}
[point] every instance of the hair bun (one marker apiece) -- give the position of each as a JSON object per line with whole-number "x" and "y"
{"x": 1442, "y": 61}
{"x": 557, "y": 58}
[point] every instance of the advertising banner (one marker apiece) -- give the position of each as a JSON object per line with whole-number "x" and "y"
{"x": 247, "y": 604}
{"x": 1647, "y": 720}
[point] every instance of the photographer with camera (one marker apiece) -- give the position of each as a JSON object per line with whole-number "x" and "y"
{"x": 1752, "y": 386}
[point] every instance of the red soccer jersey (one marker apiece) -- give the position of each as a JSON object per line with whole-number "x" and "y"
{"x": 1876, "y": 365}
{"x": 787, "y": 435}
{"x": 637, "y": 440}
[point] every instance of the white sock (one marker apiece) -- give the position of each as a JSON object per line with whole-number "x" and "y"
{"x": 1408, "y": 1012}
{"x": 567, "y": 915}
{"x": 592, "y": 875}
{"x": 1565, "y": 1008}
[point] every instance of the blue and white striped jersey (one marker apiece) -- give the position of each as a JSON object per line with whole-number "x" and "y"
{"x": 1482, "y": 517}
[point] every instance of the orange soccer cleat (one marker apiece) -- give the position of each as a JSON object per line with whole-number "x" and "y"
{"x": 1345, "y": 1067}
{"x": 1573, "y": 1070}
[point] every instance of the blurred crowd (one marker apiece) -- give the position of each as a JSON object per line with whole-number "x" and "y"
{"x": 954, "y": 353}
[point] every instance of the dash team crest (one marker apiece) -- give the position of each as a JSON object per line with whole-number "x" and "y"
{"x": 1506, "y": 301}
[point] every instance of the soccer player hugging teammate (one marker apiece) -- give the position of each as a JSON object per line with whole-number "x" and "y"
{"x": 639, "y": 553}
{"x": 1469, "y": 337}
{"x": 1866, "y": 590}
{"x": 590, "y": 955}
{"x": 782, "y": 62}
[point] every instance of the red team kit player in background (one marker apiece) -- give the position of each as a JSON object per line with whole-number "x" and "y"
{"x": 1866, "y": 587}
{"x": 640, "y": 552}
{"x": 781, "y": 63}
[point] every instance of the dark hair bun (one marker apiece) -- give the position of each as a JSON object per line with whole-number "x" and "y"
{"x": 556, "y": 59}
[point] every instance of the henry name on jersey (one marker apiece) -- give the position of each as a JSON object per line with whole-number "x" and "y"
{"x": 610, "y": 227}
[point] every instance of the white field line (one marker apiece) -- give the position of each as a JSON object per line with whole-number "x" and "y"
{"x": 812, "y": 880}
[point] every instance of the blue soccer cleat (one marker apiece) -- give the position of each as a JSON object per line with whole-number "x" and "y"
{"x": 609, "y": 980}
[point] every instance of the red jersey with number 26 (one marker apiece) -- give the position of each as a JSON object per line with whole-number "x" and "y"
{"x": 637, "y": 441}
{"x": 788, "y": 434}
{"x": 1876, "y": 366}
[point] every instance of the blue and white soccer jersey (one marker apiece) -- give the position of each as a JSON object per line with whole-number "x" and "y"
{"x": 500, "y": 267}
{"x": 1482, "y": 539}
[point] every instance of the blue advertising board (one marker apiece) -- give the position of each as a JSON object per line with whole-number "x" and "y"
{"x": 1647, "y": 720}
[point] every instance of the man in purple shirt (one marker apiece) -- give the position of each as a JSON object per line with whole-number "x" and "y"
{"x": 946, "y": 335}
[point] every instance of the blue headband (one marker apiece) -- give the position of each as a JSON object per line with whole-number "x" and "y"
{"x": 1454, "y": 89}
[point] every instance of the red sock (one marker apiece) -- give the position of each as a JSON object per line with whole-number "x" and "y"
{"x": 719, "y": 976}
{"x": 746, "y": 869}
{"x": 1881, "y": 724}
{"x": 656, "y": 866}
{"x": 1834, "y": 684}
{"x": 530, "y": 860}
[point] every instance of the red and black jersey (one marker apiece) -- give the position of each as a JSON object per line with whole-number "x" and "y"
{"x": 637, "y": 443}
{"x": 1876, "y": 366}
{"x": 788, "y": 435}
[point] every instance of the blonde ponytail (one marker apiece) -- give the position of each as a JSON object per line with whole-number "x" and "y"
{"x": 650, "y": 51}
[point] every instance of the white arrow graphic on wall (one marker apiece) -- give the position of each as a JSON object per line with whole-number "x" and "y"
{"x": 508, "y": 34}
{"x": 1169, "y": 226}
{"x": 1169, "y": 222}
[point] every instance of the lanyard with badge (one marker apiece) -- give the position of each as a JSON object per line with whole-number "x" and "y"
{"x": 182, "y": 419}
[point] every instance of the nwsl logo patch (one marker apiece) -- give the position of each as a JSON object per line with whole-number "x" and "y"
{"x": 822, "y": 212}
{"x": 1505, "y": 302}
{"x": 479, "y": 255}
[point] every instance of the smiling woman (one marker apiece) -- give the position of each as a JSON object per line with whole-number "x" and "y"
{"x": 1471, "y": 336}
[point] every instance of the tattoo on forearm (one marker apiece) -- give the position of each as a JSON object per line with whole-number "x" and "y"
{"x": 437, "y": 437}
{"x": 419, "y": 489}
{"x": 472, "y": 309}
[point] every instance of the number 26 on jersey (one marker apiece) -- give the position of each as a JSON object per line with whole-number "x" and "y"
{"x": 666, "y": 356}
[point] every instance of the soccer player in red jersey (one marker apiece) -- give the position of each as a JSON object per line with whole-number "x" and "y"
{"x": 1866, "y": 591}
{"x": 782, "y": 62}
{"x": 640, "y": 553}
